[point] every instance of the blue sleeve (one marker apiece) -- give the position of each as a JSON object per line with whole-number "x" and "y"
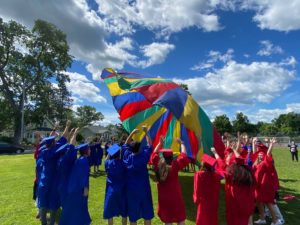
{"x": 49, "y": 153}
{"x": 71, "y": 154}
{"x": 141, "y": 159}
{"x": 83, "y": 171}
{"x": 61, "y": 142}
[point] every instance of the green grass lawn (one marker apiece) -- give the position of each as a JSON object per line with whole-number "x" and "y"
{"x": 17, "y": 206}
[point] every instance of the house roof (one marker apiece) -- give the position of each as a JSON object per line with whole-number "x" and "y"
{"x": 96, "y": 129}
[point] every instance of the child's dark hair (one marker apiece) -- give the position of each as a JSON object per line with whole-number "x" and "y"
{"x": 164, "y": 167}
{"x": 135, "y": 147}
{"x": 205, "y": 167}
{"x": 240, "y": 175}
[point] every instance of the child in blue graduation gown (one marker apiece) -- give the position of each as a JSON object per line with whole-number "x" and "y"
{"x": 68, "y": 155}
{"x": 99, "y": 156}
{"x": 48, "y": 197}
{"x": 138, "y": 189}
{"x": 115, "y": 195}
{"x": 75, "y": 210}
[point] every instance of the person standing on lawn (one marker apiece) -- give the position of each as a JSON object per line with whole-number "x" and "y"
{"x": 48, "y": 197}
{"x": 138, "y": 190}
{"x": 294, "y": 150}
{"x": 75, "y": 210}
{"x": 171, "y": 208}
{"x": 206, "y": 191}
{"x": 115, "y": 192}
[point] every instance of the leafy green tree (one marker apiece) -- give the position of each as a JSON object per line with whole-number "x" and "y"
{"x": 29, "y": 62}
{"x": 86, "y": 115}
{"x": 6, "y": 121}
{"x": 222, "y": 124}
{"x": 288, "y": 124}
{"x": 241, "y": 123}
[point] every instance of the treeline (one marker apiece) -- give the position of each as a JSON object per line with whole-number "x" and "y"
{"x": 283, "y": 125}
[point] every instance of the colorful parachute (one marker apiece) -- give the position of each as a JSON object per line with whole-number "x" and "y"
{"x": 166, "y": 108}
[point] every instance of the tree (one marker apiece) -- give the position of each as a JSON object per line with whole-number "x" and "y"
{"x": 29, "y": 62}
{"x": 86, "y": 115}
{"x": 288, "y": 124}
{"x": 5, "y": 115}
{"x": 185, "y": 87}
{"x": 241, "y": 123}
{"x": 222, "y": 124}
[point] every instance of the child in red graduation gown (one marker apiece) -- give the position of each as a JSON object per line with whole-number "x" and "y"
{"x": 171, "y": 207}
{"x": 239, "y": 188}
{"x": 206, "y": 192}
{"x": 267, "y": 183}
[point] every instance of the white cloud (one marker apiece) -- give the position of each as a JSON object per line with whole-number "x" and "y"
{"x": 267, "y": 115}
{"x": 273, "y": 14}
{"x": 155, "y": 52}
{"x": 236, "y": 83}
{"x": 109, "y": 118}
{"x": 87, "y": 32}
{"x": 83, "y": 89}
{"x": 269, "y": 49}
{"x": 214, "y": 57}
{"x": 290, "y": 61}
{"x": 164, "y": 17}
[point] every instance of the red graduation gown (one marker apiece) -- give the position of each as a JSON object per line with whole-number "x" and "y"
{"x": 266, "y": 181}
{"x": 206, "y": 197}
{"x": 239, "y": 199}
{"x": 171, "y": 207}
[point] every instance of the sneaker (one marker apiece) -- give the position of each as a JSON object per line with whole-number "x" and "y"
{"x": 278, "y": 222}
{"x": 260, "y": 221}
{"x": 282, "y": 221}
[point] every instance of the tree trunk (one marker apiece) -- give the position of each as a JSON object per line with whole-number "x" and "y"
{"x": 18, "y": 127}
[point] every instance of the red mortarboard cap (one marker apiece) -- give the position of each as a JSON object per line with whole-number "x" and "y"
{"x": 240, "y": 160}
{"x": 207, "y": 159}
{"x": 166, "y": 152}
{"x": 261, "y": 147}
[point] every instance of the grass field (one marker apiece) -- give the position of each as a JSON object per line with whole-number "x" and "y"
{"x": 17, "y": 206}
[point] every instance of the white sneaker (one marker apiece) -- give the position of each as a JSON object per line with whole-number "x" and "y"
{"x": 282, "y": 221}
{"x": 278, "y": 222}
{"x": 260, "y": 221}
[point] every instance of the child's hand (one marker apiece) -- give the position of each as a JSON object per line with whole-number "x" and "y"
{"x": 179, "y": 141}
{"x": 145, "y": 128}
{"x": 213, "y": 150}
{"x": 135, "y": 131}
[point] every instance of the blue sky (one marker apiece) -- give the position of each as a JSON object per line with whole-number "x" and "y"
{"x": 234, "y": 55}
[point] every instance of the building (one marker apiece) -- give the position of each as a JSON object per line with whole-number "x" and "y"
{"x": 95, "y": 131}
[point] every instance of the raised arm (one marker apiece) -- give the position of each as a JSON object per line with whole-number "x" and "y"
{"x": 66, "y": 131}
{"x": 73, "y": 139}
{"x": 272, "y": 142}
{"x": 254, "y": 145}
{"x": 213, "y": 150}
{"x": 182, "y": 146}
{"x": 236, "y": 150}
{"x": 148, "y": 138}
{"x": 160, "y": 144}
{"x": 128, "y": 140}
{"x": 53, "y": 132}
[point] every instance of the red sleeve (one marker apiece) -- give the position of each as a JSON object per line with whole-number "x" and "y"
{"x": 196, "y": 194}
{"x": 181, "y": 161}
{"x": 36, "y": 151}
{"x": 155, "y": 160}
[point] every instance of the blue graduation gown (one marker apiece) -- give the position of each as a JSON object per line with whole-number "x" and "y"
{"x": 98, "y": 155}
{"x": 75, "y": 210}
{"x": 138, "y": 189}
{"x": 48, "y": 196}
{"x": 115, "y": 195}
{"x": 92, "y": 157}
{"x": 64, "y": 167}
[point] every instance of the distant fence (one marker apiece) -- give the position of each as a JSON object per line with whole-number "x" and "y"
{"x": 282, "y": 141}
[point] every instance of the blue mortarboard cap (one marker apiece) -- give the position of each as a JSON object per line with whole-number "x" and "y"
{"x": 113, "y": 149}
{"x": 47, "y": 140}
{"x": 82, "y": 147}
{"x": 62, "y": 148}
